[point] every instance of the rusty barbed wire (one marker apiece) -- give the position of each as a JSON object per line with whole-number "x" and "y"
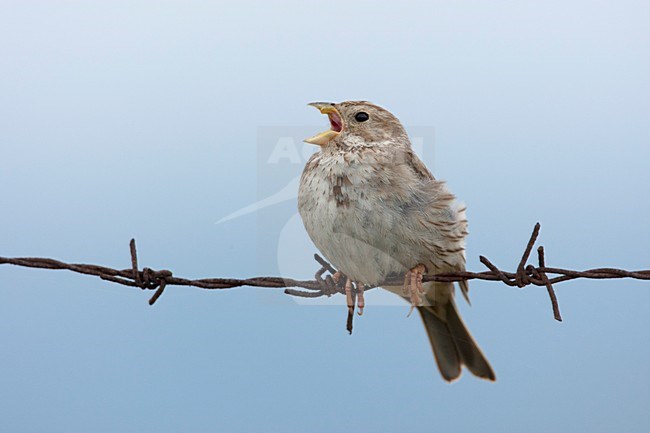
{"x": 158, "y": 280}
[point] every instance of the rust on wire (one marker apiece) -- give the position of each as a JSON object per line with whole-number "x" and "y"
{"x": 149, "y": 279}
{"x": 549, "y": 286}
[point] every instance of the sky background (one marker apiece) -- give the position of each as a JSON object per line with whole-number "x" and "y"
{"x": 155, "y": 120}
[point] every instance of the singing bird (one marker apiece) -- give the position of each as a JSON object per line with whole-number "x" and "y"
{"x": 373, "y": 209}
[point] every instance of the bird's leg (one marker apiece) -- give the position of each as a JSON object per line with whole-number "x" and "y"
{"x": 349, "y": 295}
{"x": 360, "y": 300}
{"x": 350, "y": 298}
{"x": 413, "y": 286}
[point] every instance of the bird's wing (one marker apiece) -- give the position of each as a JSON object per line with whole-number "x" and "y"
{"x": 442, "y": 214}
{"x": 418, "y": 167}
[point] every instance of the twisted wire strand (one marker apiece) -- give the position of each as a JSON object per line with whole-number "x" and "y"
{"x": 158, "y": 280}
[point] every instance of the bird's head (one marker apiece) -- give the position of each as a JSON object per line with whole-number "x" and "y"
{"x": 358, "y": 122}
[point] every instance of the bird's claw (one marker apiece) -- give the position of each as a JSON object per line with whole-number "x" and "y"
{"x": 348, "y": 295}
{"x": 413, "y": 286}
{"x": 354, "y": 297}
{"x": 361, "y": 302}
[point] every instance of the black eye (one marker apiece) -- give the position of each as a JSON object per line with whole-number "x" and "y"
{"x": 361, "y": 116}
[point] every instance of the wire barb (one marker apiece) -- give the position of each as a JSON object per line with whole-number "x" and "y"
{"x": 149, "y": 279}
{"x": 522, "y": 278}
{"x": 134, "y": 262}
{"x": 549, "y": 286}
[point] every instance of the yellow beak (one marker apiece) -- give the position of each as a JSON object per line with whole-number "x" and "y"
{"x": 335, "y": 120}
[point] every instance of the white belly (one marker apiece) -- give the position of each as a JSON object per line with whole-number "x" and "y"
{"x": 369, "y": 223}
{"x": 357, "y": 234}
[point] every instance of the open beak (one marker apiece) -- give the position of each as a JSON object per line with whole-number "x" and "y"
{"x": 336, "y": 124}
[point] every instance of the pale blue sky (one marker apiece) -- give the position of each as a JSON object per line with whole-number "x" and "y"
{"x": 154, "y": 120}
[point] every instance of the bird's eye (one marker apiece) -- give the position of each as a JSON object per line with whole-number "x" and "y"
{"x": 361, "y": 116}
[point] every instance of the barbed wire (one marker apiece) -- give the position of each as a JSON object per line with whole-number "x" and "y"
{"x": 325, "y": 285}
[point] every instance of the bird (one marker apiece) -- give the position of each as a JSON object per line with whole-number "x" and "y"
{"x": 374, "y": 210}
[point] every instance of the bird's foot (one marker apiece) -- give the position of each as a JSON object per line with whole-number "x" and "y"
{"x": 413, "y": 286}
{"x": 361, "y": 302}
{"x": 350, "y": 299}
{"x": 350, "y": 295}
{"x": 353, "y": 297}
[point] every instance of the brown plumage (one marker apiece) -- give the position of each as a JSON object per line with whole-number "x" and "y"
{"x": 373, "y": 209}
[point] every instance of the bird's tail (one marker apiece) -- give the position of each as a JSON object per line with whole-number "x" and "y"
{"x": 453, "y": 345}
